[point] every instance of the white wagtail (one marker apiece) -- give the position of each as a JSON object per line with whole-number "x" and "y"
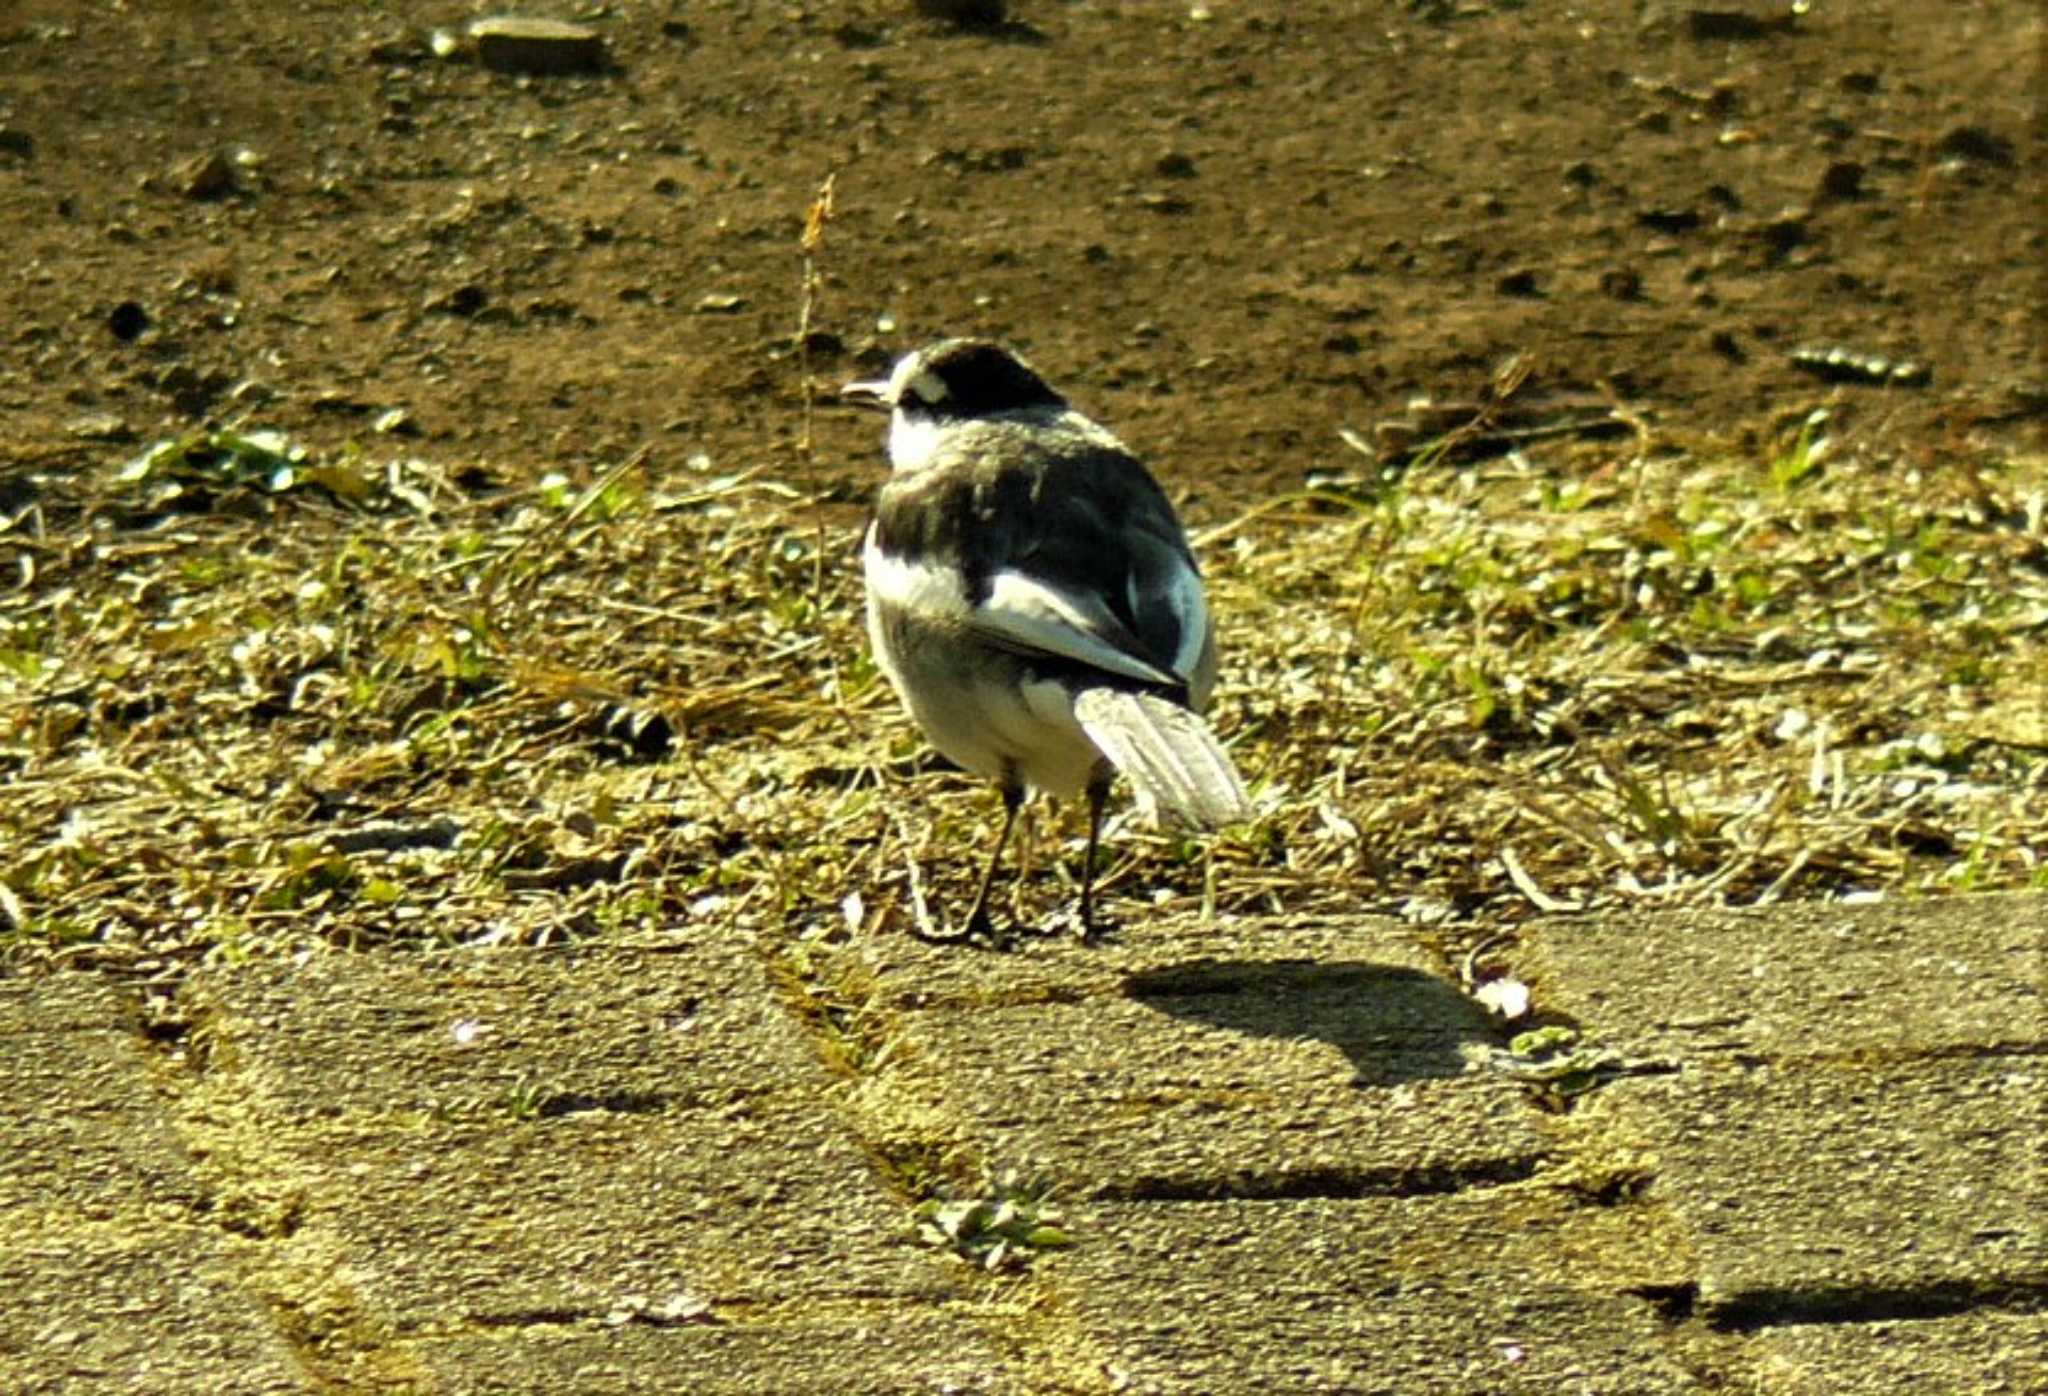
{"x": 1032, "y": 598}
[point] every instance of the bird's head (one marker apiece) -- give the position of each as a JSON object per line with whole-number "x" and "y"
{"x": 952, "y": 382}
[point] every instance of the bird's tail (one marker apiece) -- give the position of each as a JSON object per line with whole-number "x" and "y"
{"x": 1171, "y": 757}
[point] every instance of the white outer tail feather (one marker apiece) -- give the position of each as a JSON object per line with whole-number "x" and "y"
{"x": 1172, "y": 759}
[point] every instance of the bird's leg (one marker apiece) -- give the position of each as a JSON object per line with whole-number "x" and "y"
{"x": 1098, "y": 797}
{"x": 978, "y": 923}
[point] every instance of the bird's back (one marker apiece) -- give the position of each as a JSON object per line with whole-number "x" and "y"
{"x": 1059, "y": 500}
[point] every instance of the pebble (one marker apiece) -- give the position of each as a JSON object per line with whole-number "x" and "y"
{"x": 1735, "y": 25}
{"x": 398, "y": 48}
{"x": 463, "y": 300}
{"x": 208, "y": 176}
{"x": 127, "y": 320}
{"x": 1976, "y": 143}
{"x": 967, "y": 14}
{"x": 515, "y": 44}
{"x": 1842, "y": 180}
{"x": 1519, "y": 282}
{"x": 100, "y": 426}
{"x": 1622, "y": 283}
{"x": 1668, "y": 220}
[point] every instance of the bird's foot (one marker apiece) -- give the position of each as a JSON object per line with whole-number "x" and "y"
{"x": 1081, "y": 920}
{"x": 932, "y": 935}
{"x": 980, "y": 931}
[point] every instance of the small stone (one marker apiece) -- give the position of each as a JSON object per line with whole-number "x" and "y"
{"x": 15, "y": 141}
{"x": 1976, "y": 143}
{"x": 1669, "y": 220}
{"x": 1622, "y": 283}
{"x": 396, "y": 48}
{"x": 1171, "y": 204}
{"x": 100, "y": 426}
{"x": 966, "y": 14}
{"x": 443, "y": 44}
{"x": 1842, "y": 180}
{"x": 127, "y": 320}
{"x": 395, "y": 421}
{"x": 515, "y": 44}
{"x": 1519, "y": 282}
{"x": 1735, "y": 24}
{"x": 1174, "y": 165}
{"x": 464, "y": 300}
{"x": 208, "y": 176}
{"x": 721, "y": 303}
{"x": 337, "y": 402}
{"x": 1784, "y": 232}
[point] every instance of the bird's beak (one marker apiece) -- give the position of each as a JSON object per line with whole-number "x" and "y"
{"x": 873, "y": 393}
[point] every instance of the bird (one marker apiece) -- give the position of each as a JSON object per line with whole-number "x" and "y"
{"x": 1032, "y": 598}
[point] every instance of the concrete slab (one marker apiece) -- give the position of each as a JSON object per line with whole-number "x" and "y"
{"x": 135, "y": 1304}
{"x": 497, "y": 1224}
{"x": 613, "y": 1133}
{"x": 1847, "y": 1126}
{"x": 1986, "y": 1354}
{"x": 82, "y": 1125}
{"x": 614, "y": 1171}
{"x": 1409, "y": 1296}
{"x": 621, "y": 1033}
{"x": 1804, "y": 980}
{"x": 1823, "y": 1194}
{"x": 1325, "y": 1060}
{"x": 114, "y": 1275}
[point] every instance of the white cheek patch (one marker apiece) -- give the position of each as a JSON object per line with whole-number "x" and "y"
{"x": 913, "y": 441}
{"x": 939, "y": 593}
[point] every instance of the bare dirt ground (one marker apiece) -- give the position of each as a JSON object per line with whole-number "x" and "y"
{"x": 1228, "y": 227}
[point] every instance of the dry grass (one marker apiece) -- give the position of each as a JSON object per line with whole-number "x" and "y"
{"x": 250, "y": 705}
{"x": 1653, "y": 675}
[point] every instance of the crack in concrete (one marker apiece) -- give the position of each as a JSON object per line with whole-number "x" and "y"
{"x": 1326, "y": 1184}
